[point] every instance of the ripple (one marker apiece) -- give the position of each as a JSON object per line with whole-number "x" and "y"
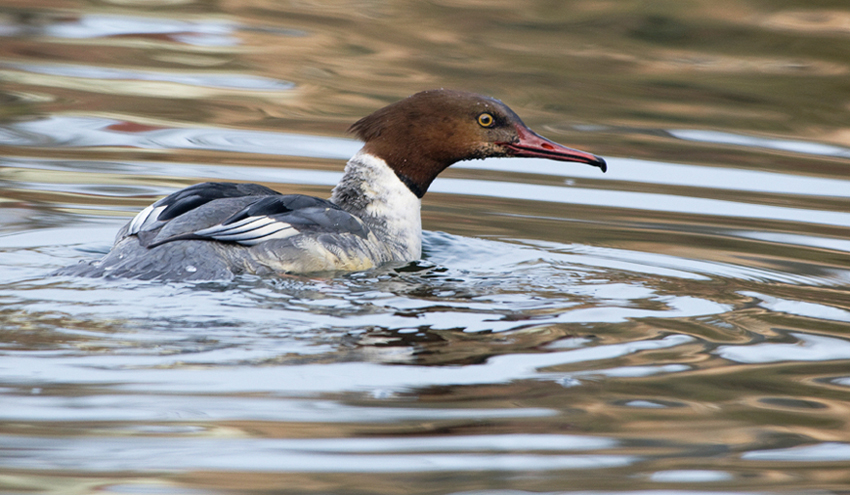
{"x": 158, "y": 373}
{"x": 476, "y": 359}
{"x": 797, "y": 239}
{"x": 152, "y": 407}
{"x": 799, "y": 308}
{"x": 794, "y": 146}
{"x": 204, "y": 79}
{"x": 99, "y": 132}
{"x": 197, "y": 32}
{"x": 347, "y": 455}
{"x": 813, "y": 22}
{"x": 808, "y": 348}
{"x": 95, "y": 132}
{"x": 667, "y": 266}
{"x": 403, "y": 301}
{"x": 618, "y": 492}
{"x": 639, "y": 200}
{"x": 823, "y": 452}
{"x": 675, "y": 174}
{"x": 102, "y": 132}
{"x": 690, "y": 476}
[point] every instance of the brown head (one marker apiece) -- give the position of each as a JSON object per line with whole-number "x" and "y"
{"x": 423, "y": 134}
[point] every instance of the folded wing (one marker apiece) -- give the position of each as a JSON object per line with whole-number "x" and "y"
{"x": 246, "y": 214}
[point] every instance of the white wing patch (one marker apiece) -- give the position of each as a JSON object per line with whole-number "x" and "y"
{"x": 250, "y": 231}
{"x": 144, "y": 217}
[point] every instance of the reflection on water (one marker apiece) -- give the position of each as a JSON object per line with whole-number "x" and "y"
{"x": 80, "y": 132}
{"x": 67, "y": 73}
{"x": 757, "y": 142}
{"x": 207, "y": 32}
{"x": 316, "y": 456}
{"x": 677, "y": 325}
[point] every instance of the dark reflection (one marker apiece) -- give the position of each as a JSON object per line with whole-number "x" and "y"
{"x": 792, "y": 403}
{"x": 662, "y": 29}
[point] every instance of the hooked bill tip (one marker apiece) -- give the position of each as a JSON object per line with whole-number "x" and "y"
{"x": 602, "y": 164}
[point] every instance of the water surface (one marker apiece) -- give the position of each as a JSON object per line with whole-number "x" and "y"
{"x": 677, "y": 325}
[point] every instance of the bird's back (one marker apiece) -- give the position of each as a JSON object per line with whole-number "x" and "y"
{"x": 219, "y": 230}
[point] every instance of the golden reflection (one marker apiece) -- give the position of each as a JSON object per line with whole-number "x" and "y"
{"x": 818, "y": 22}
{"x": 703, "y": 62}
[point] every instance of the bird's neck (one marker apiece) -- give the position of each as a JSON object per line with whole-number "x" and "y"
{"x": 372, "y": 191}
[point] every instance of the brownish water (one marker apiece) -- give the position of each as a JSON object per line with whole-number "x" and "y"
{"x": 678, "y": 325}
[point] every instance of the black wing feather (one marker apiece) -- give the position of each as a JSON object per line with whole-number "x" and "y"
{"x": 191, "y": 198}
{"x": 280, "y": 205}
{"x": 270, "y": 216}
{"x": 197, "y": 195}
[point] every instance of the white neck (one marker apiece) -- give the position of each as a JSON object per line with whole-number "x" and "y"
{"x": 371, "y": 190}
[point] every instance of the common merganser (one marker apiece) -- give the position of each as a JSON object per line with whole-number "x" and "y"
{"x": 217, "y": 230}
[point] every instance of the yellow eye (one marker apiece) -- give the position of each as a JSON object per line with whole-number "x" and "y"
{"x": 486, "y": 120}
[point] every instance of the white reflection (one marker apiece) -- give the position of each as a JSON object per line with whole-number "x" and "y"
{"x": 638, "y": 200}
{"x": 718, "y": 137}
{"x": 823, "y": 452}
{"x": 201, "y": 79}
{"x": 675, "y": 174}
{"x": 202, "y": 33}
{"x": 809, "y": 348}
{"x": 800, "y": 240}
{"x": 690, "y": 476}
{"x": 148, "y": 407}
{"x": 346, "y": 455}
{"x": 573, "y": 379}
{"x": 800, "y": 308}
{"x": 645, "y": 404}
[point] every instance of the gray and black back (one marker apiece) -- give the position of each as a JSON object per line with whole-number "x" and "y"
{"x": 216, "y": 230}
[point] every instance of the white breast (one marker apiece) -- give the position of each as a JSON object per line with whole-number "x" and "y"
{"x": 371, "y": 190}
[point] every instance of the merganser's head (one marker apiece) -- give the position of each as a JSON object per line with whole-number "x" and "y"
{"x": 423, "y": 134}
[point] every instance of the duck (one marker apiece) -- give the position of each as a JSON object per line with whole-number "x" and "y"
{"x": 220, "y": 230}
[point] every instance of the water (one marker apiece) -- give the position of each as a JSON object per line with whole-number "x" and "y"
{"x": 678, "y": 325}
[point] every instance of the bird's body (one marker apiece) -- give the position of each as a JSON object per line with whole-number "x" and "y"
{"x": 218, "y": 230}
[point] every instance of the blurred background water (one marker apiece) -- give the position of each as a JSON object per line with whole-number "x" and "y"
{"x": 677, "y": 325}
